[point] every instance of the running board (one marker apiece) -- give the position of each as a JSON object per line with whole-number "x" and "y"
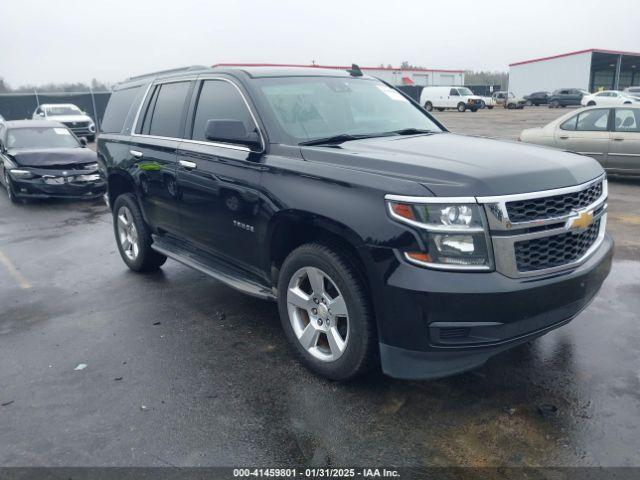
{"x": 212, "y": 266}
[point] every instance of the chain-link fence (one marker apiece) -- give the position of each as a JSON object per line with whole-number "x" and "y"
{"x": 18, "y": 106}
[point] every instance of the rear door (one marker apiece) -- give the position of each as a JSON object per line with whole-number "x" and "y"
{"x": 624, "y": 149}
{"x": 154, "y": 151}
{"x": 586, "y": 133}
{"x": 219, "y": 182}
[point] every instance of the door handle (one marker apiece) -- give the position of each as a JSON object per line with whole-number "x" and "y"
{"x": 564, "y": 138}
{"x": 618, "y": 139}
{"x": 136, "y": 153}
{"x": 188, "y": 165}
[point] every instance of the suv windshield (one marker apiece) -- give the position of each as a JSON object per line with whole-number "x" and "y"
{"x": 311, "y": 108}
{"x": 41, "y": 137}
{"x": 63, "y": 110}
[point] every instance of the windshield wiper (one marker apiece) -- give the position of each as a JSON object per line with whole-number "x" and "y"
{"x": 410, "y": 131}
{"x": 336, "y": 139}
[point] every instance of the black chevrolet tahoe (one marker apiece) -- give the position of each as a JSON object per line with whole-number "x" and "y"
{"x": 387, "y": 241}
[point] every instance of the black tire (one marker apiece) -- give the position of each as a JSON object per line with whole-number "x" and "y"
{"x": 360, "y": 352}
{"x": 9, "y": 186}
{"x": 461, "y": 107}
{"x": 147, "y": 259}
{"x": 428, "y": 106}
{"x": 591, "y": 104}
{"x": 511, "y": 106}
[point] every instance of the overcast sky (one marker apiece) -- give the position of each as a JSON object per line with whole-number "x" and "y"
{"x": 45, "y": 41}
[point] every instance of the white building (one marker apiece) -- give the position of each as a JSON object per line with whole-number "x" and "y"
{"x": 396, "y": 76}
{"x": 592, "y": 70}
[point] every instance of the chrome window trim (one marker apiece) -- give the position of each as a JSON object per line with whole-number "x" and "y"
{"x": 204, "y": 77}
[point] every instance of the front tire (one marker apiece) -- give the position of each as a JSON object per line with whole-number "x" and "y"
{"x": 325, "y": 312}
{"x": 428, "y": 106}
{"x": 461, "y": 107}
{"x": 591, "y": 104}
{"x": 133, "y": 236}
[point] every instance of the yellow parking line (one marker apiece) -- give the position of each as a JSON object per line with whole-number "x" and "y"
{"x": 13, "y": 271}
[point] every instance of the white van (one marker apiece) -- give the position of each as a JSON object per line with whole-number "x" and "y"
{"x": 459, "y": 98}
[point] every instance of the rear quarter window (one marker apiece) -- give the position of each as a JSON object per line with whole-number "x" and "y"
{"x": 118, "y": 109}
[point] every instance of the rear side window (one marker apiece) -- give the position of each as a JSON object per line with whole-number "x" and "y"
{"x": 168, "y": 107}
{"x": 627, "y": 120}
{"x": 219, "y": 100}
{"x": 118, "y": 109}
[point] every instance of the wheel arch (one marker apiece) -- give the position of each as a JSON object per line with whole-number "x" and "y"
{"x": 289, "y": 229}
{"x": 119, "y": 183}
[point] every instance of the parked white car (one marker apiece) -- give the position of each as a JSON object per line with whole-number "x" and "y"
{"x": 460, "y": 98}
{"x": 632, "y": 92}
{"x": 487, "y": 102}
{"x": 75, "y": 119}
{"x": 607, "y": 98}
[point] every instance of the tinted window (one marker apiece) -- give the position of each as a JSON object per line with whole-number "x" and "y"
{"x": 167, "y": 111}
{"x": 593, "y": 121}
{"x": 454, "y": 92}
{"x": 627, "y": 120}
{"x": 117, "y": 109}
{"x": 219, "y": 100}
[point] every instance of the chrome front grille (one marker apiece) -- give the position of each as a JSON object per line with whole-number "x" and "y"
{"x": 545, "y": 232}
{"x": 554, "y": 251}
{"x": 555, "y": 206}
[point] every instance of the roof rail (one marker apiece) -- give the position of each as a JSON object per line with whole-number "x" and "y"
{"x": 166, "y": 72}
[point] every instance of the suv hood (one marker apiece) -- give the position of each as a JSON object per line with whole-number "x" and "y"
{"x": 69, "y": 118}
{"x": 457, "y": 165}
{"x": 52, "y": 156}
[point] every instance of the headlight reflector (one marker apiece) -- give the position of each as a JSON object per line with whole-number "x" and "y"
{"x": 21, "y": 174}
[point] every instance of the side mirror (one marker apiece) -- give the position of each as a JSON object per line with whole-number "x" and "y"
{"x": 231, "y": 131}
{"x": 83, "y": 142}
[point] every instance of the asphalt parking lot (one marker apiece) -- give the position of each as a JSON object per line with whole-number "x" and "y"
{"x": 181, "y": 370}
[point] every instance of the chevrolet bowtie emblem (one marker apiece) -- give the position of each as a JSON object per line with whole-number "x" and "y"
{"x": 582, "y": 221}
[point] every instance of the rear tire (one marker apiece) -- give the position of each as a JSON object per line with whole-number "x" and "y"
{"x": 326, "y": 313}
{"x": 428, "y": 106}
{"x": 511, "y": 106}
{"x": 461, "y": 107}
{"x": 133, "y": 236}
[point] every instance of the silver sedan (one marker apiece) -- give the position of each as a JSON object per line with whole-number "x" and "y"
{"x": 610, "y": 135}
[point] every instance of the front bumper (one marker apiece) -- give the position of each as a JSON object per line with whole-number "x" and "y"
{"x": 436, "y": 324}
{"x": 78, "y": 189}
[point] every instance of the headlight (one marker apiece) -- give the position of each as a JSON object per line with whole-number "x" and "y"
{"x": 92, "y": 127}
{"x": 455, "y": 235}
{"x": 21, "y": 174}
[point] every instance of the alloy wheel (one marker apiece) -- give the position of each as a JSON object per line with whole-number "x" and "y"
{"x": 318, "y": 314}
{"x": 127, "y": 233}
